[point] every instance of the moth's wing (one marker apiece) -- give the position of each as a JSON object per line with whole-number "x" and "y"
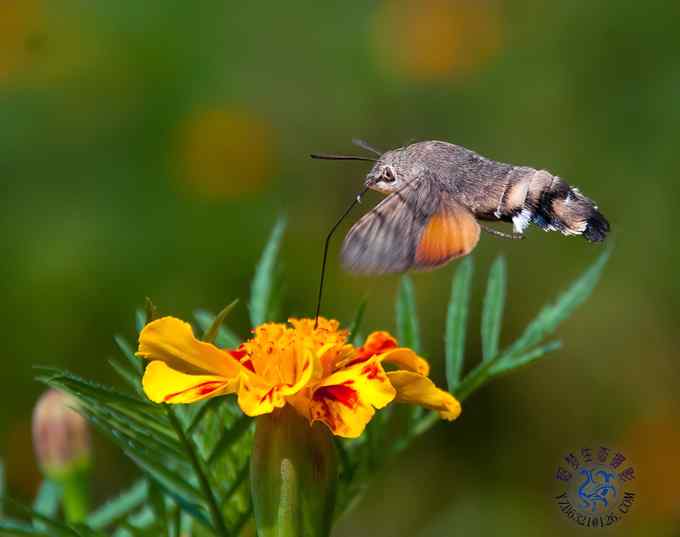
{"x": 450, "y": 232}
{"x": 417, "y": 227}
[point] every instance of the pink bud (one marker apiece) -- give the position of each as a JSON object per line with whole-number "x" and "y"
{"x": 61, "y": 437}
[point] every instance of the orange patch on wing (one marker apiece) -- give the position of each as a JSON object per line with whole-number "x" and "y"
{"x": 448, "y": 234}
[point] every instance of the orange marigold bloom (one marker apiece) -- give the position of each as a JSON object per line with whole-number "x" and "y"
{"x": 313, "y": 369}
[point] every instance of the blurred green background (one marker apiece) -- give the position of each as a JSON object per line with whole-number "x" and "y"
{"x": 146, "y": 148}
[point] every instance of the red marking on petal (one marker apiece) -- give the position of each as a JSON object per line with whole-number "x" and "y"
{"x": 203, "y": 389}
{"x": 268, "y": 395}
{"x": 341, "y": 393}
{"x": 238, "y": 353}
{"x": 241, "y": 354}
{"x": 372, "y": 372}
{"x": 375, "y": 345}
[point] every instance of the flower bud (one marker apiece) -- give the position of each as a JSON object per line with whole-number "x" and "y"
{"x": 293, "y": 476}
{"x": 61, "y": 437}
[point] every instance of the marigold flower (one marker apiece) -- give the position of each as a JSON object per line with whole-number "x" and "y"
{"x": 313, "y": 369}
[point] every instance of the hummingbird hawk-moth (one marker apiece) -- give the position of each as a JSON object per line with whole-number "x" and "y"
{"x": 436, "y": 194}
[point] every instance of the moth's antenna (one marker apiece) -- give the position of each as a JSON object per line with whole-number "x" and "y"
{"x": 365, "y": 145}
{"x": 340, "y": 157}
{"x": 325, "y": 252}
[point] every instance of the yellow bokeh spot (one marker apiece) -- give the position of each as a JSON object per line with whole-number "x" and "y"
{"x": 21, "y": 27}
{"x": 652, "y": 444}
{"x": 225, "y": 153}
{"x": 437, "y": 39}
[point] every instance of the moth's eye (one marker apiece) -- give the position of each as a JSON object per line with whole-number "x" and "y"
{"x": 388, "y": 175}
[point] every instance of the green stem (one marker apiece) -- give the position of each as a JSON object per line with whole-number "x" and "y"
{"x": 76, "y": 495}
{"x": 215, "y": 513}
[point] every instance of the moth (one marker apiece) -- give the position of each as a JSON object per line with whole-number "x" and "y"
{"x": 437, "y": 194}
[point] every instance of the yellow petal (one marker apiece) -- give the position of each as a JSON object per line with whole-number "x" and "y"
{"x": 345, "y": 400}
{"x": 258, "y": 395}
{"x": 163, "y": 384}
{"x": 172, "y": 341}
{"x": 418, "y": 390}
{"x": 406, "y": 359}
{"x": 338, "y": 408}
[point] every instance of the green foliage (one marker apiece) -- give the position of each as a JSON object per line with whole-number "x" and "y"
{"x": 47, "y": 500}
{"x": 263, "y": 292}
{"x": 215, "y": 328}
{"x": 224, "y": 338}
{"x": 456, "y": 322}
{"x": 408, "y": 331}
{"x": 194, "y": 459}
{"x": 492, "y": 314}
{"x": 355, "y": 325}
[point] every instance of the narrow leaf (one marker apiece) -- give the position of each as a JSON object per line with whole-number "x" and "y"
{"x": 16, "y": 527}
{"x": 140, "y": 320}
{"x": 48, "y": 499}
{"x": 504, "y": 365}
{"x": 356, "y": 322}
{"x": 129, "y": 354}
{"x": 241, "y": 476}
{"x": 56, "y": 527}
{"x": 128, "y": 375}
{"x": 262, "y": 286}
{"x": 119, "y": 507}
{"x": 157, "y": 504}
{"x": 456, "y": 322}
{"x": 213, "y": 330}
{"x": 225, "y": 338}
{"x": 229, "y": 436}
{"x": 492, "y": 313}
{"x": 82, "y": 388}
{"x": 408, "y": 329}
{"x": 552, "y": 315}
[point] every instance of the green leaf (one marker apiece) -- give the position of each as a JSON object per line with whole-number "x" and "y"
{"x": 224, "y": 338}
{"x": 48, "y": 499}
{"x": 140, "y": 320}
{"x": 56, "y": 527}
{"x": 120, "y": 507}
{"x": 16, "y": 527}
{"x": 158, "y": 471}
{"x": 128, "y": 375}
{"x": 83, "y": 389}
{"x": 136, "y": 432}
{"x": 356, "y": 322}
{"x": 408, "y": 329}
{"x": 211, "y": 333}
{"x": 492, "y": 314}
{"x": 241, "y": 476}
{"x": 229, "y": 437}
{"x": 202, "y": 410}
{"x": 503, "y": 366}
{"x": 129, "y": 354}
{"x": 456, "y": 322}
{"x": 262, "y": 286}
{"x": 552, "y": 315}
{"x": 157, "y": 504}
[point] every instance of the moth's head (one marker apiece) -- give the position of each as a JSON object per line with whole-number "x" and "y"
{"x": 387, "y": 175}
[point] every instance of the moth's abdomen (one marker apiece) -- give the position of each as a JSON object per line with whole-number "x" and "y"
{"x": 537, "y": 197}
